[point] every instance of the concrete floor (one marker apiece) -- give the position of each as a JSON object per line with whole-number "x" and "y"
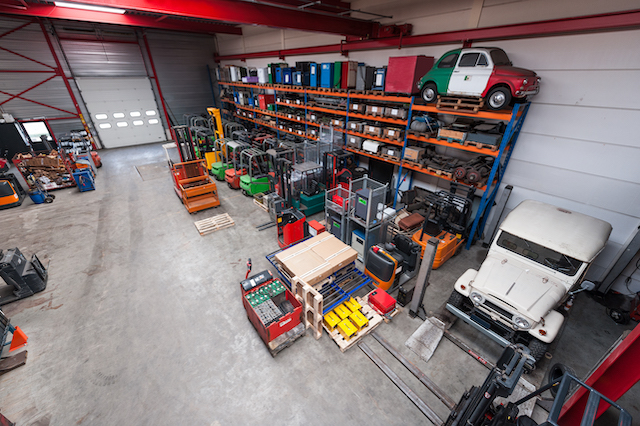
{"x": 142, "y": 323}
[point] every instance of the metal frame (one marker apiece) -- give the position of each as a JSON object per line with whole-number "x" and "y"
{"x": 603, "y": 22}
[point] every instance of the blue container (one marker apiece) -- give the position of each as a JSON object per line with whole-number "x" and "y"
{"x": 297, "y": 78}
{"x": 326, "y": 75}
{"x": 37, "y": 197}
{"x": 278, "y": 75}
{"x": 378, "y": 78}
{"x": 84, "y": 180}
{"x": 287, "y": 75}
{"x": 314, "y": 74}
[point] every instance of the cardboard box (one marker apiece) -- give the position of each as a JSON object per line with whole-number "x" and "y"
{"x": 393, "y": 133}
{"x": 373, "y": 130}
{"x": 357, "y": 107}
{"x": 399, "y": 113}
{"x": 336, "y": 122}
{"x": 391, "y": 151}
{"x": 356, "y": 126}
{"x": 315, "y": 259}
{"x": 414, "y": 153}
{"x": 377, "y": 111}
{"x": 354, "y": 142}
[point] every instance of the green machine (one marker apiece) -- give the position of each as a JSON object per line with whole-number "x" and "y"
{"x": 225, "y": 148}
{"x": 308, "y": 189}
{"x": 256, "y": 180}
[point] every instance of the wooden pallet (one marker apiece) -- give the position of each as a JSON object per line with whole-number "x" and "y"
{"x": 440, "y": 172}
{"x": 450, "y": 103}
{"x": 389, "y": 157}
{"x": 374, "y": 92}
{"x": 261, "y": 205}
{"x": 215, "y": 223}
{"x": 481, "y": 145}
{"x": 414, "y": 164}
{"x": 313, "y": 305}
{"x": 374, "y": 318}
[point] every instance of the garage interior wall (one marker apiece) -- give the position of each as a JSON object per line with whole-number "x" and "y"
{"x": 576, "y": 149}
{"x": 94, "y": 50}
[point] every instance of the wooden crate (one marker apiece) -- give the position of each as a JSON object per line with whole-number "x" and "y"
{"x": 215, "y": 223}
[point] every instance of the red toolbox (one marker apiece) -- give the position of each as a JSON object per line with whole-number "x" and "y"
{"x": 382, "y": 302}
{"x": 404, "y": 72}
{"x": 275, "y": 313}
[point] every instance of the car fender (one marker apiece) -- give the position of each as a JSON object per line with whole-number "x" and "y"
{"x": 494, "y": 81}
{"x": 466, "y": 281}
{"x": 552, "y": 323}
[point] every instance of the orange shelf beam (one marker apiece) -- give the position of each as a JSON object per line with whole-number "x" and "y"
{"x": 495, "y": 115}
{"x": 402, "y": 123}
{"x": 375, "y": 138}
{"x": 483, "y": 151}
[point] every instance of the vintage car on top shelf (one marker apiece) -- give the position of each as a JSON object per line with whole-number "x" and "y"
{"x": 483, "y": 72}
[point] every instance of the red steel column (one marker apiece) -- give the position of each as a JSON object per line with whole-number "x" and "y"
{"x": 60, "y": 72}
{"x": 155, "y": 77}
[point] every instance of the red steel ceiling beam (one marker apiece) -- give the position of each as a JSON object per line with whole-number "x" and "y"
{"x": 239, "y": 12}
{"x": 593, "y": 23}
{"x": 133, "y": 20}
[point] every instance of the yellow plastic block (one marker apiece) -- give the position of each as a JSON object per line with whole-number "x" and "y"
{"x": 331, "y": 320}
{"x": 353, "y": 305}
{"x": 347, "y": 329}
{"x": 342, "y": 311}
{"x": 359, "y": 320}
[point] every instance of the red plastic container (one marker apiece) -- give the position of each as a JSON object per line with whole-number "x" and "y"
{"x": 264, "y": 100}
{"x": 382, "y": 302}
{"x": 275, "y": 329}
{"x": 404, "y": 72}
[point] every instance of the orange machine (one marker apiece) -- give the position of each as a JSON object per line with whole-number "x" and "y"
{"x": 194, "y": 186}
{"x": 448, "y": 244}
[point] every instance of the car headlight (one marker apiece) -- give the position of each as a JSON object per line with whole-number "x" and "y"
{"x": 521, "y": 323}
{"x": 477, "y": 298}
{"x": 525, "y": 81}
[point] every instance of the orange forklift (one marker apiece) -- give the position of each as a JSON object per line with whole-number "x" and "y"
{"x": 11, "y": 192}
{"x": 446, "y": 219}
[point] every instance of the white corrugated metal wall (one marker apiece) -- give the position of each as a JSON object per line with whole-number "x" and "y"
{"x": 577, "y": 148}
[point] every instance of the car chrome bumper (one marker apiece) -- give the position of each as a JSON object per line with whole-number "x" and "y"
{"x": 466, "y": 318}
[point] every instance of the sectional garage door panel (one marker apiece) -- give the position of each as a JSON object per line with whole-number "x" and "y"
{"x": 123, "y": 110}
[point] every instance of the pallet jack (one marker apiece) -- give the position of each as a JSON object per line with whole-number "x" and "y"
{"x": 451, "y": 214}
{"x": 256, "y": 178}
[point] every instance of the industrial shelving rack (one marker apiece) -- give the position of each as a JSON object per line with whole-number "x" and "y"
{"x": 514, "y": 119}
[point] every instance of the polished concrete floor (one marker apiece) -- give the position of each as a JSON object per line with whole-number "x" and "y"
{"x": 142, "y": 322}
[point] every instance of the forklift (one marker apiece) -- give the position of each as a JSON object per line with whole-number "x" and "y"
{"x": 451, "y": 213}
{"x": 308, "y": 188}
{"x": 12, "y": 194}
{"x": 256, "y": 178}
{"x": 221, "y": 157}
{"x": 232, "y": 174}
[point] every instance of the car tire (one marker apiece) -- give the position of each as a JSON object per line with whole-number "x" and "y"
{"x": 558, "y": 370}
{"x": 538, "y": 348}
{"x": 429, "y": 93}
{"x": 498, "y": 98}
{"x": 456, "y": 300}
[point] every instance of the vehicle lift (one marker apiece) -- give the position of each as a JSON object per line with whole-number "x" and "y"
{"x": 256, "y": 178}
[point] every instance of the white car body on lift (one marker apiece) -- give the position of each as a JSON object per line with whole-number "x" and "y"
{"x": 540, "y": 254}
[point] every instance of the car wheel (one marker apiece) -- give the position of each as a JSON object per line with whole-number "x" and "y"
{"x": 538, "y": 348}
{"x": 498, "y": 98}
{"x": 558, "y": 370}
{"x": 456, "y": 299}
{"x": 619, "y": 316}
{"x": 429, "y": 93}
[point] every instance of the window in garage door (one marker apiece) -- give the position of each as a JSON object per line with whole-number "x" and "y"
{"x": 124, "y": 110}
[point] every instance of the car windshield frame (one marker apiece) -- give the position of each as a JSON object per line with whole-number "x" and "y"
{"x": 537, "y": 253}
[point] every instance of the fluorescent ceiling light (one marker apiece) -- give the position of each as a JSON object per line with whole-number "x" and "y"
{"x": 89, "y": 7}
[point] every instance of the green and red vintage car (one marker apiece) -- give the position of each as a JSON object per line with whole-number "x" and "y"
{"x": 483, "y": 72}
